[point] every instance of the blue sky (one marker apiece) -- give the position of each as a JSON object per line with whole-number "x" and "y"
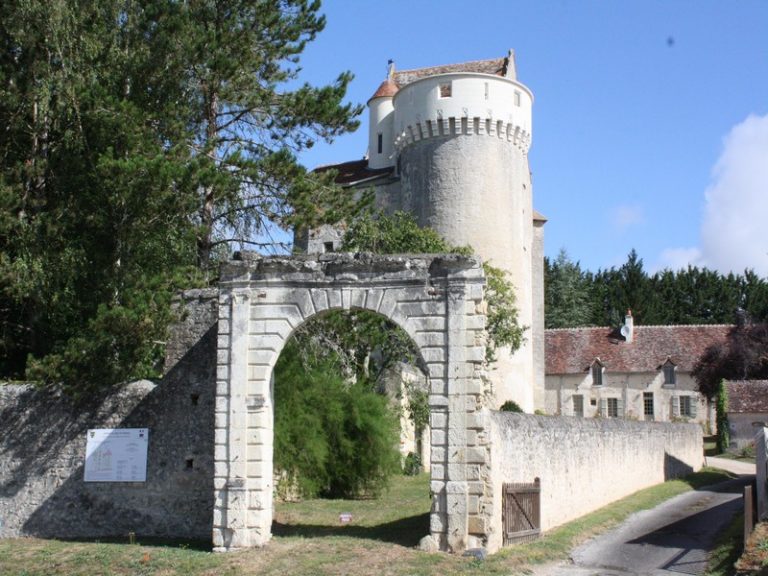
{"x": 650, "y": 122}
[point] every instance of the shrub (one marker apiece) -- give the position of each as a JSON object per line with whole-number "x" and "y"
{"x": 510, "y": 406}
{"x": 723, "y": 432}
{"x": 412, "y": 464}
{"x": 332, "y": 438}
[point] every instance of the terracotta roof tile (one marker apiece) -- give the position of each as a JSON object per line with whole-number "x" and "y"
{"x": 572, "y": 350}
{"x": 387, "y": 89}
{"x": 747, "y": 396}
{"x": 355, "y": 171}
{"x": 496, "y": 66}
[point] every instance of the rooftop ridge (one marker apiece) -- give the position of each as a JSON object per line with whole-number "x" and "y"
{"x": 467, "y": 63}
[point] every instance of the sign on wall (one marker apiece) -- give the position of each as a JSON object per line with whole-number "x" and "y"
{"x": 116, "y": 455}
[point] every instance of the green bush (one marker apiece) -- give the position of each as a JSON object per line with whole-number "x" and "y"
{"x": 412, "y": 464}
{"x": 723, "y": 427}
{"x": 510, "y": 406}
{"x": 332, "y": 438}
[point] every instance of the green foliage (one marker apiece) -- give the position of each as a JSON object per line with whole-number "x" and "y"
{"x": 566, "y": 293}
{"x": 412, "y": 464}
{"x": 364, "y": 343}
{"x": 574, "y": 297}
{"x": 332, "y": 438}
{"x": 721, "y": 417}
{"x": 418, "y": 407}
{"x": 501, "y": 315}
{"x": 401, "y": 234}
{"x": 510, "y": 406}
{"x": 140, "y": 140}
{"x": 395, "y": 234}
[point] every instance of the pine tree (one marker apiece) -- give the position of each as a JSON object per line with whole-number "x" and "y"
{"x": 139, "y": 140}
{"x": 566, "y": 293}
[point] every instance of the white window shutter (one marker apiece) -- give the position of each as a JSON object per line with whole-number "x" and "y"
{"x": 694, "y": 406}
{"x": 620, "y": 408}
{"x": 603, "y": 407}
{"x": 675, "y": 406}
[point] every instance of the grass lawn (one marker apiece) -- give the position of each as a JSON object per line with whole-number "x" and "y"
{"x": 309, "y": 539}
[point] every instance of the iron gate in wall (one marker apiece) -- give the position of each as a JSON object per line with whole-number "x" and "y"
{"x": 521, "y": 512}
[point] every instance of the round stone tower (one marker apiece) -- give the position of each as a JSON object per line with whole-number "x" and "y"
{"x": 461, "y": 141}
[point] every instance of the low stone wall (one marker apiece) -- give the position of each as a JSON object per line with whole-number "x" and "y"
{"x": 43, "y": 440}
{"x": 585, "y": 464}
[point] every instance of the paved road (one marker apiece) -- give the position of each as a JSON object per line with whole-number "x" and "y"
{"x": 673, "y": 538}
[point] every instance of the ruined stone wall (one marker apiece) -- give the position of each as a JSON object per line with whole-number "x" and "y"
{"x": 584, "y": 464}
{"x": 43, "y": 440}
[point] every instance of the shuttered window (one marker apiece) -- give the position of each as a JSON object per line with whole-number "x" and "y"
{"x": 611, "y": 408}
{"x": 578, "y": 405}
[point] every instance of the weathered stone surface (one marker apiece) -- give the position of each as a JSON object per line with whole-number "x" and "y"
{"x": 584, "y": 464}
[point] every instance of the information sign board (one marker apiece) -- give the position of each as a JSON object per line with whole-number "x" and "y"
{"x": 116, "y": 455}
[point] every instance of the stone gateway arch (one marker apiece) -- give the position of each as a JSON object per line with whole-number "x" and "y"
{"x": 436, "y": 299}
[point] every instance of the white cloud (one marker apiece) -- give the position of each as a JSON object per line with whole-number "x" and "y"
{"x": 624, "y": 217}
{"x": 679, "y": 258}
{"x": 734, "y": 229}
{"x": 734, "y": 232}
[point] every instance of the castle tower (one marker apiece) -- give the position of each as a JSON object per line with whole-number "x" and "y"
{"x": 450, "y": 145}
{"x": 462, "y": 141}
{"x": 381, "y": 124}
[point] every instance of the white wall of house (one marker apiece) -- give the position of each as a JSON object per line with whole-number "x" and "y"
{"x": 624, "y": 395}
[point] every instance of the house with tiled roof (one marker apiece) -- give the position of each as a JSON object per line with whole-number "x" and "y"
{"x": 449, "y": 144}
{"x": 636, "y": 372}
{"x": 747, "y": 410}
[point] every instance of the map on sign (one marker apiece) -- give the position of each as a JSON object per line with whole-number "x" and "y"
{"x": 116, "y": 455}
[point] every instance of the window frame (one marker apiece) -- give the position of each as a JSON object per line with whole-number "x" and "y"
{"x": 596, "y": 372}
{"x": 649, "y": 400}
{"x": 580, "y": 398}
{"x": 669, "y": 371}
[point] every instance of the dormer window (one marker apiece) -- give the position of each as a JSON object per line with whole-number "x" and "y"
{"x": 670, "y": 373}
{"x": 597, "y": 373}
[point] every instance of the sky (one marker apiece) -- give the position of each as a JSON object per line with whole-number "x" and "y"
{"x": 650, "y": 118}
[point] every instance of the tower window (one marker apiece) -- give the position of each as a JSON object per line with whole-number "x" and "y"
{"x": 517, "y": 98}
{"x": 327, "y": 247}
{"x": 445, "y": 90}
{"x": 380, "y": 143}
{"x": 486, "y": 90}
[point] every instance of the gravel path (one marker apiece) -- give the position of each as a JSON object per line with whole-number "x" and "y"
{"x": 673, "y": 538}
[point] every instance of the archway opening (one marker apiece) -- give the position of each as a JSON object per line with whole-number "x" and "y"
{"x": 351, "y": 438}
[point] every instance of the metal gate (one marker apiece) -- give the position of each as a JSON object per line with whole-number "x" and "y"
{"x": 521, "y": 512}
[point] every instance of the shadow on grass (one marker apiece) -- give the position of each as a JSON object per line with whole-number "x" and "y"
{"x": 708, "y": 477}
{"x": 179, "y": 543}
{"x": 405, "y": 532}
